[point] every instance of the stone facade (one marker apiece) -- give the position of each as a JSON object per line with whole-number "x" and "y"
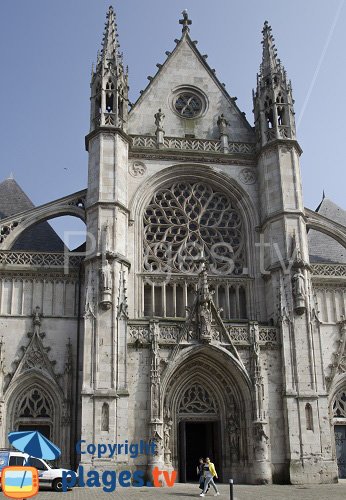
{"x": 194, "y": 318}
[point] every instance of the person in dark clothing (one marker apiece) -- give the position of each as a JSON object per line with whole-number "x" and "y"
{"x": 209, "y": 473}
{"x": 200, "y": 473}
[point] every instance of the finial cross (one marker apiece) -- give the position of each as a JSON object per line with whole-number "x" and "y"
{"x": 186, "y": 22}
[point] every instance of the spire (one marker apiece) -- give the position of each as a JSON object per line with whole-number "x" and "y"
{"x": 110, "y": 45}
{"x": 186, "y": 22}
{"x": 109, "y": 82}
{"x": 270, "y": 62}
{"x": 273, "y": 101}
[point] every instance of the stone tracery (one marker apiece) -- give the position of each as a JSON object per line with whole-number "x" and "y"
{"x": 196, "y": 399}
{"x": 188, "y": 220}
{"x": 34, "y": 404}
{"x": 339, "y": 405}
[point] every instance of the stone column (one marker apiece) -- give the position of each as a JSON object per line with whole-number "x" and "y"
{"x": 156, "y": 422}
{"x": 262, "y": 466}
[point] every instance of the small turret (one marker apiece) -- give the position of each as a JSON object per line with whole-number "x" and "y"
{"x": 109, "y": 82}
{"x": 273, "y": 102}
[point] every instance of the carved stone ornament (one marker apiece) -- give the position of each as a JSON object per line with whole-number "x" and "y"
{"x": 223, "y": 124}
{"x": 35, "y": 355}
{"x": 338, "y": 365}
{"x": 137, "y": 169}
{"x": 159, "y": 118}
{"x": 196, "y": 399}
{"x": 155, "y": 382}
{"x": 247, "y": 176}
{"x": 106, "y": 280}
{"x": 299, "y": 292}
{"x": 233, "y": 433}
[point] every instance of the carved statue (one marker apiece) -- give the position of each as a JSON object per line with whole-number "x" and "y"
{"x": 167, "y": 435}
{"x": 260, "y": 442}
{"x": 256, "y": 354}
{"x": 159, "y": 117}
{"x": 299, "y": 284}
{"x": 299, "y": 291}
{"x": 233, "y": 432}
{"x": 205, "y": 318}
{"x": 156, "y": 440}
{"x": 222, "y": 123}
{"x": 106, "y": 276}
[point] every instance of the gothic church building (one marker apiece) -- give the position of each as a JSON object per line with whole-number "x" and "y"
{"x": 206, "y": 311}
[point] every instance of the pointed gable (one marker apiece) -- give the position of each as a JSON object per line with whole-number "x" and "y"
{"x": 186, "y": 70}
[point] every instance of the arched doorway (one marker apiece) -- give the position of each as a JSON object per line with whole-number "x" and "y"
{"x": 208, "y": 407}
{"x": 339, "y": 422}
{"x": 35, "y": 403}
{"x": 33, "y": 410}
{"x": 199, "y": 428}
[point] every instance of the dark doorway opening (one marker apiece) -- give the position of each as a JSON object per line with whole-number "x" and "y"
{"x": 340, "y": 446}
{"x": 198, "y": 439}
{"x": 43, "y": 429}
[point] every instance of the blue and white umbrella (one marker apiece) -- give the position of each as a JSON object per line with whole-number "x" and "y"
{"x": 34, "y": 444}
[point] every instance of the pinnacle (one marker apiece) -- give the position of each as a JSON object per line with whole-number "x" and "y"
{"x": 270, "y": 61}
{"x": 110, "y": 45}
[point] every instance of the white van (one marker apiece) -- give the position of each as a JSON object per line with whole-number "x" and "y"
{"x": 47, "y": 473}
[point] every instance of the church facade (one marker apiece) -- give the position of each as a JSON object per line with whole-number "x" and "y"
{"x": 206, "y": 311}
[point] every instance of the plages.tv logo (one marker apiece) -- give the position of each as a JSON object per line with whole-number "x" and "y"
{"x": 23, "y": 481}
{"x": 19, "y": 482}
{"x": 109, "y": 479}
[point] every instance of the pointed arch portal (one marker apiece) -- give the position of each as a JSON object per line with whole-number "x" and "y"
{"x": 338, "y": 408}
{"x": 209, "y": 405}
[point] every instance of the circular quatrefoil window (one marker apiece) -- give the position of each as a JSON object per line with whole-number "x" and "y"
{"x": 188, "y": 105}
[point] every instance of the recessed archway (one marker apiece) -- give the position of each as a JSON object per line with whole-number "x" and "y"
{"x": 207, "y": 390}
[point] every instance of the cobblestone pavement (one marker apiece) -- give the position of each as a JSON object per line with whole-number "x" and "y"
{"x": 188, "y": 491}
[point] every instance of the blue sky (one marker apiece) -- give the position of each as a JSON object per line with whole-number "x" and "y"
{"x": 47, "y": 49}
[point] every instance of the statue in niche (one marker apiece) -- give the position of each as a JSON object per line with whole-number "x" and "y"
{"x": 223, "y": 124}
{"x": 299, "y": 291}
{"x": 159, "y": 117}
{"x": 106, "y": 276}
{"x": 106, "y": 285}
{"x": 166, "y": 434}
{"x": 205, "y": 317}
{"x": 168, "y": 422}
{"x": 233, "y": 432}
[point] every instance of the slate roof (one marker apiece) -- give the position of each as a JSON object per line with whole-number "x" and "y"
{"x": 39, "y": 238}
{"x": 323, "y": 248}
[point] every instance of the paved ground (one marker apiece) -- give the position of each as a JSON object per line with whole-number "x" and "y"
{"x": 189, "y": 491}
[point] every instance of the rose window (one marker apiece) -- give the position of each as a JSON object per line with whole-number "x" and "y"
{"x": 188, "y": 105}
{"x": 191, "y": 222}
